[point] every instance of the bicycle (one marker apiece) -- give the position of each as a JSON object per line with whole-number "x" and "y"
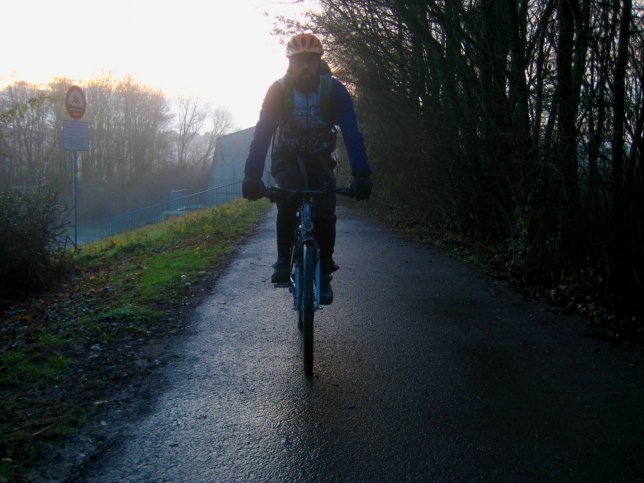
{"x": 305, "y": 279}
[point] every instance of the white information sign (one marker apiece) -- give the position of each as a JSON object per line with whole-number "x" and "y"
{"x": 75, "y": 135}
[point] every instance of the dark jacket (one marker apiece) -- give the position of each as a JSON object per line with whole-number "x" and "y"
{"x": 342, "y": 114}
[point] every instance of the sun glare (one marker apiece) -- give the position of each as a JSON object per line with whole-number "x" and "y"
{"x": 219, "y": 51}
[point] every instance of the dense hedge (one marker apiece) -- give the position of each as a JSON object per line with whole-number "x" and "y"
{"x": 30, "y": 253}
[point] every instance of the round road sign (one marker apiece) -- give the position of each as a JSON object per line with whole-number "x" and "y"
{"x": 75, "y": 102}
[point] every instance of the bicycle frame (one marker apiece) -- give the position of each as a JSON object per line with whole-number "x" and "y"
{"x": 305, "y": 265}
{"x": 304, "y": 235}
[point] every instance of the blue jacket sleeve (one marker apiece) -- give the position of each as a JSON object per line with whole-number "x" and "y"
{"x": 346, "y": 119}
{"x": 264, "y": 130}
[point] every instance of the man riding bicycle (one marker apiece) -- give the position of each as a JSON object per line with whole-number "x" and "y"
{"x": 303, "y": 108}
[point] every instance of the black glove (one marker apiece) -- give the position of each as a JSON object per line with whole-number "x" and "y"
{"x": 253, "y": 188}
{"x": 361, "y": 186}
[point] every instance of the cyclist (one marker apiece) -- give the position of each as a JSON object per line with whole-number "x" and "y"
{"x": 300, "y": 112}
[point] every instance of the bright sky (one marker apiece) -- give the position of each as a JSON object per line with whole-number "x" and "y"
{"x": 220, "y": 51}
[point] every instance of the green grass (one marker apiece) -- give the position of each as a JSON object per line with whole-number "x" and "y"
{"x": 38, "y": 365}
{"x": 35, "y": 369}
{"x": 157, "y": 263}
{"x": 121, "y": 292}
{"x": 129, "y": 311}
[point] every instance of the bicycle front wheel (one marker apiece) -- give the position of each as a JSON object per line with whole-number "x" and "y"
{"x": 307, "y": 306}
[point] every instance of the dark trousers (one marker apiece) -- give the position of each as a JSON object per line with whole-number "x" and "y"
{"x": 324, "y": 218}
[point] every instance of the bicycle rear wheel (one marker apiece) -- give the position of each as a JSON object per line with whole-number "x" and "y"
{"x": 307, "y": 306}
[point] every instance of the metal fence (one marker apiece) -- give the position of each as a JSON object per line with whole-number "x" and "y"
{"x": 94, "y": 231}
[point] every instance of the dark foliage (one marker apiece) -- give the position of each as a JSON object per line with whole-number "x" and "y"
{"x": 512, "y": 123}
{"x": 30, "y": 252}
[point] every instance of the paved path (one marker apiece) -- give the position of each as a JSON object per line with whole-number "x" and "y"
{"x": 424, "y": 370}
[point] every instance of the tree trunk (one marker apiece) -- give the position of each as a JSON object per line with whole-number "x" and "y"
{"x": 566, "y": 127}
{"x": 619, "y": 253}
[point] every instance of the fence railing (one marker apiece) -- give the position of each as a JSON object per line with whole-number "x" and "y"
{"x": 89, "y": 232}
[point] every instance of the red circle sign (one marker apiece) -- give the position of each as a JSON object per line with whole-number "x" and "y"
{"x": 75, "y": 102}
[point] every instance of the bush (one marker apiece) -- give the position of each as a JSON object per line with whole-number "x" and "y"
{"x": 30, "y": 255}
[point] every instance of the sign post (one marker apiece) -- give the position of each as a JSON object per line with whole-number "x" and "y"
{"x": 75, "y": 138}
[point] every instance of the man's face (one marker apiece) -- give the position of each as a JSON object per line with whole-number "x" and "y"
{"x": 305, "y": 69}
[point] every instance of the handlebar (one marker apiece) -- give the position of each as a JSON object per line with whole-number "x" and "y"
{"x": 274, "y": 193}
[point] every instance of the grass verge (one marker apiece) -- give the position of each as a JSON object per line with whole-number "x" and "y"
{"x": 67, "y": 353}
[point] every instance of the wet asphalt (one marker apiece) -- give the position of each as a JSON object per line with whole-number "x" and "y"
{"x": 424, "y": 370}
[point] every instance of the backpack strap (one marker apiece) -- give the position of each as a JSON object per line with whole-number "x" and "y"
{"x": 288, "y": 104}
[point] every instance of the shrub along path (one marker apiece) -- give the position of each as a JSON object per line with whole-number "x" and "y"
{"x": 86, "y": 346}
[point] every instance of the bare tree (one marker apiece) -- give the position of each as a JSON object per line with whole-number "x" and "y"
{"x": 220, "y": 122}
{"x": 190, "y": 118}
{"x": 197, "y": 127}
{"x": 138, "y": 149}
{"x": 27, "y": 137}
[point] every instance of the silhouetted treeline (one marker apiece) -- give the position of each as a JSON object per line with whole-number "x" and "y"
{"x": 142, "y": 144}
{"x": 514, "y": 122}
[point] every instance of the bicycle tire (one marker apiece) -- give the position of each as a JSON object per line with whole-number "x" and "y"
{"x": 307, "y": 305}
{"x": 297, "y": 292}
